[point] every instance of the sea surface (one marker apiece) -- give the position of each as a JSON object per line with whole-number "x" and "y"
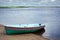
{"x": 48, "y": 16}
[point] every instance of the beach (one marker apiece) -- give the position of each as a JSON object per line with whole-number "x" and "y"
{"x": 28, "y": 36}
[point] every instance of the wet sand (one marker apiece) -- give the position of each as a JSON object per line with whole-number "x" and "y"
{"x": 29, "y": 36}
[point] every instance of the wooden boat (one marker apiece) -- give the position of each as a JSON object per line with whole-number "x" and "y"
{"x": 22, "y": 28}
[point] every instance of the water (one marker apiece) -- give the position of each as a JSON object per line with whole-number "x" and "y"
{"x": 49, "y": 16}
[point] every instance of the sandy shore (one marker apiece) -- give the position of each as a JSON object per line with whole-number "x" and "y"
{"x": 30, "y": 36}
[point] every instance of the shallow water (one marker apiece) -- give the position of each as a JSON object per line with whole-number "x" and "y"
{"x": 48, "y": 16}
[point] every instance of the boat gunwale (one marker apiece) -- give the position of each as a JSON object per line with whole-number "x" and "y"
{"x": 31, "y": 28}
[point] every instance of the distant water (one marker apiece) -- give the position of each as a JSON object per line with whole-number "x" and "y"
{"x": 49, "y": 16}
{"x": 28, "y": 15}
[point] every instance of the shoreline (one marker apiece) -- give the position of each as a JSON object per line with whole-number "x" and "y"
{"x": 29, "y": 36}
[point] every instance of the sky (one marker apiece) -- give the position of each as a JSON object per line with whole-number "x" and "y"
{"x": 29, "y": 2}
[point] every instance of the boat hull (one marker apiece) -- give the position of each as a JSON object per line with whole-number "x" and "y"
{"x": 14, "y": 30}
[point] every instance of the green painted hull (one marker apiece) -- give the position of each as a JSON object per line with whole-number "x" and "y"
{"x": 11, "y": 31}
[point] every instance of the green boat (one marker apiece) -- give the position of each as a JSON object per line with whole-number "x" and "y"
{"x": 22, "y": 28}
